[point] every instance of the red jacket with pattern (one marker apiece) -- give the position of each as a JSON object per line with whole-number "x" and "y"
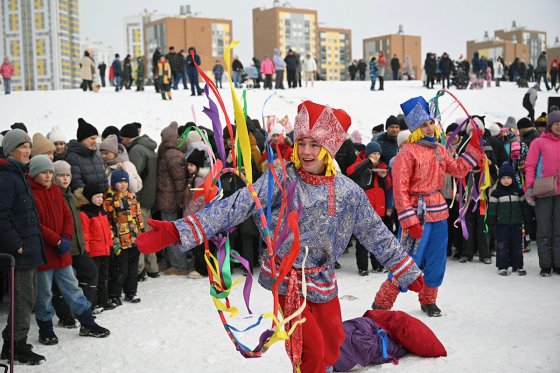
{"x": 56, "y": 221}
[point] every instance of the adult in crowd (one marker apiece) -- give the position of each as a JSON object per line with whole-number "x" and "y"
{"x": 155, "y": 59}
{"x": 279, "y": 66}
{"x": 388, "y": 140}
{"x": 20, "y": 236}
{"x": 177, "y": 63}
{"x": 395, "y": 66}
{"x": 87, "y": 166}
{"x": 309, "y": 68}
{"x": 171, "y": 184}
{"x": 7, "y": 71}
{"x": 117, "y": 72}
{"x": 542, "y": 162}
{"x": 142, "y": 154}
{"x": 291, "y": 66}
{"x": 236, "y": 71}
{"x": 267, "y": 69}
{"x": 88, "y": 69}
{"x": 127, "y": 72}
{"x": 192, "y": 72}
{"x": 115, "y": 157}
{"x": 445, "y": 66}
{"x": 540, "y": 70}
{"x": 218, "y": 71}
{"x": 102, "y": 67}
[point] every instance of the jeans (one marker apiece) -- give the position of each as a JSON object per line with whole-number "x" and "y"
{"x": 193, "y": 79}
{"x": 236, "y": 76}
{"x": 178, "y": 76}
{"x": 538, "y": 77}
{"x": 102, "y": 77}
{"x": 173, "y": 254}
{"x": 68, "y": 286}
{"x": 395, "y": 74}
{"x": 25, "y": 291}
{"x": 7, "y": 85}
{"x": 373, "y": 80}
{"x": 218, "y": 81}
{"x": 117, "y": 81}
{"x": 279, "y": 81}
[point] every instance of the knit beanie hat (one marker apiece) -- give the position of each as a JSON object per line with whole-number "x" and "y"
{"x": 38, "y": 164}
{"x": 19, "y": 125}
{"x": 356, "y": 137}
{"x": 553, "y": 117}
{"x": 85, "y": 130}
{"x": 451, "y": 128}
{"x": 111, "y": 130}
{"x": 511, "y": 123}
{"x": 494, "y": 129}
{"x": 56, "y": 135}
{"x": 379, "y": 128}
{"x": 41, "y": 145}
{"x": 91, "y": 190}
{"x": 118, "y": 175}
{"x": 506, "y": 170}
{"x": 110, "y": 144}
{"x": 62, "y": 168}
{"x": 169, "y": 133}
{"x": 373, "y": 147}
{"x": 197, "y": 157}
{"x": 524, "y": 123}
{"x": 391, "y": 121}
{"x": 541, "y": 121}
{"x": 403, "y": 135}
{"x": 234, "y": 130}
{"x": 129, "y": 130}
{"x": 276, "y": 129}
{"x": 12, "y": 139}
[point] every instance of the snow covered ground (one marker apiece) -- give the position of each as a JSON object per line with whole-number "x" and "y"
{"x": 490, "y": 323}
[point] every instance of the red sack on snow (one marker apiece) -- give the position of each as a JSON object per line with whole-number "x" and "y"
{"x": 409, "y": 332}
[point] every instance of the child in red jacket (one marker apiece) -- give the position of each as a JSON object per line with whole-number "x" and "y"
{"x": 369, "y": 174}
{"x": 57, "y": 228}
{"x": 99, "y": 239}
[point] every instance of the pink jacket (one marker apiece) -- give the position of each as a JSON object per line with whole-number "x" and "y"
{"x": 7, "y": 70}
{"x": 267, "y": 67}
{"x": 546, "y": 146}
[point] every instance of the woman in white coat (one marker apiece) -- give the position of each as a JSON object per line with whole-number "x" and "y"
{"x": 88, "y": 69}
{"x": 114, "y": 156}
{"x": 310, "y": 69}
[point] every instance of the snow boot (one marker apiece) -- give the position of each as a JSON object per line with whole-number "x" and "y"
{"x": 46, "y": 333}
{"x": 132, "y": 298}
{"x": 386, "y": 296}
{"x": 22, "y": 353}
{"x": 68, "y": 323}
{"x": 89, "y": 328}
{"x": 431, "y": 310}
{"x": 427, "y": 298}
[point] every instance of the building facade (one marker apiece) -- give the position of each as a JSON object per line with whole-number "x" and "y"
{"x": 209, "y": 36}
{"x": 42, "y": 38}
{"x": 494, "y": 48}
{"x": 134, "y": 32}
{"x": 99, "y": 52}
{"x": 335, "y": 53}
{"x": 406, "y": 47}
{"x": 285, "y": 28}
{"x": 535, "y": 40}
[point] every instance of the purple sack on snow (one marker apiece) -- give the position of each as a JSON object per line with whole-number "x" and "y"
{"x": 363, "y": 345}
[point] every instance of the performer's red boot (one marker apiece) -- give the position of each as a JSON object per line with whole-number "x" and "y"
{"x": 386, "y": 296}
{"x": 427, "y": 298}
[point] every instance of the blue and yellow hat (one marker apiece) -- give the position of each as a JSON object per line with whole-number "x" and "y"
{"x": 416, "y": 112}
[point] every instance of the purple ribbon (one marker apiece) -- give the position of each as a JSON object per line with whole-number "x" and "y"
{"x": 214, "y": 115}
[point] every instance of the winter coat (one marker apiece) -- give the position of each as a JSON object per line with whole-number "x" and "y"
{"x": 141, "y": 152}
{"x": 127, "y": 68}
{"x": 164, "y": 73}
{"x": 192, "y": 204}
{"x": 395, "y": 64}
{"x": 445, "y": 65}
{"x": 125, "y": 216}
{"x": 102, "y": 68}
{"x": 155, "y": 59}
{"x": 171, "y": 173}
{"x": 543, "y": 159}
{"x": 78, "y": 239}
{"x": 508, "y": 206}
{"x": 374, "y": 185}
{"x": 389, "y": 147}
{"x": 309, "y": 65}
{"x": 279, "y": 64}
{"x": 430, "y": 65}
{"x": 554, "y": 65}
{"x": 117, "y": 68}
{"x": 87, "y": 166}
{"x": 499, "y": 73}
{"x": 134, "y": 180}
{"x": 267, "y": 67}
{"x": 7, "y": 70}
{"x": 529, "y": 136}
{"x": 56, "y": 222}
{"x": 541, "y": 64}
{"x": 373, "y": 70}
{"x": 170, "y": 58}
{"x": 236, "y": 65}
{"x": 532, "y": 96}
{"x": 178, "y": 63}
{"x": 140, "y": 71}
{"x": 191, "y": 68}
{"x": 97, "y": 230}
{"x": 88, "y": 68}
{"x": 291, "y": 62}
{"x": 19, "y": 219}
{"x": 286, "y": 151}
{"x": 218, "y": 71}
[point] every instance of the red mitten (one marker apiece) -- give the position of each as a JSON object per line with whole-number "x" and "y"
{"x": 163, "y": 234}
{"x": 476, "y": 137}
{"x": 417, "y": 285}
{"x": 415, "y": 231}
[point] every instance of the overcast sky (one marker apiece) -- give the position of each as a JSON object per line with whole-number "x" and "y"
{"x": 444, "y": 25}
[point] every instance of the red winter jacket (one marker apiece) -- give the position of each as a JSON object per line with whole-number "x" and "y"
{"x": 56, "y": 221}
{"x": 97, "y": 231}
{"x": 373, "y": 185}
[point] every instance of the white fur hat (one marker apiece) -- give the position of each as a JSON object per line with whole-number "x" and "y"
{"x": 56, "y": 135}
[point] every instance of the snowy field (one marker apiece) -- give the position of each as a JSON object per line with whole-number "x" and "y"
{"x": 490, "y": 323}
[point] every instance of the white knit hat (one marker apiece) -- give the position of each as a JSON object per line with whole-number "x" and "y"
{"x": 56, "y": 135}
{"x": 402, "y": 136}
{"x": 277, "y": 129}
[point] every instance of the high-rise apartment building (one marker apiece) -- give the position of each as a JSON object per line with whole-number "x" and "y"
{"x": 42, "y": 38}
{"x": 406, "y": 47}
{"x": 134, "y": 32}
{"x": 285, "y": 28}
{"x": 209, "y": 36}
{"x": 535, "y": 40}
{"x": 335, "y": 53}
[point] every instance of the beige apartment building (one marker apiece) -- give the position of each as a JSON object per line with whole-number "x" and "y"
{"x": 285, "y": 28}
{"x": 404, "y": 46}
{"x": 335, "y": 53}
{"x": 495, "y": 48}
{"x": 209, "y": 36}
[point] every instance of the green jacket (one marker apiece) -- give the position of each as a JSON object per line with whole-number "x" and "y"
{"x": 507, "y": 207}
{"x": 78, "y": 240}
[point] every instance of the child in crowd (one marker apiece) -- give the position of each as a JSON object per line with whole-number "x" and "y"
{"x": 57, "y": 229}
{"x": 196, "y": 174}
{"x": 370, "y": 174}
{"x": 126, "y": 220}
{"x": 506, "y": 211}
{"x": 99, "y": 239}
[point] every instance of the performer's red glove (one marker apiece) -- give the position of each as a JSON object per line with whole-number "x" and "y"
{"x": 477, "y": 134}
{"x": 415, "y": 231}
{"x": 163, "y": 234}
{"x": 417, "y": 285}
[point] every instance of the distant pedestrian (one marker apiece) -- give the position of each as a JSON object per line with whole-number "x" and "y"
{"x": 88, "y": 69}
{"x": 117, "y": 72}
{"x": 192, "y": 72}
{"x": 218, "y": 71}
{"x": 140, "y": 72}
{"x": 102, "y": 67}
{"x": 395, "y": 66}
{"x": 310, "y": 69}
{"x": 7, "y": 71}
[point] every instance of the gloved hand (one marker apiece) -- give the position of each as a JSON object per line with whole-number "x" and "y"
{"x": 64, "y": 246}
{"x": 415, "y": 231}
{"x": 476, "y": 137}
{"x": 117, "y": 247}
{"x": 163, "y": 234}
{"x": 417, "y": 285}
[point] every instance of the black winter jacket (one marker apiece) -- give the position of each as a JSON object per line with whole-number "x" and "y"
{"x": 142, "y": 154}
{"x": 19, "y": 221}
{"x": 87, "y": 166}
